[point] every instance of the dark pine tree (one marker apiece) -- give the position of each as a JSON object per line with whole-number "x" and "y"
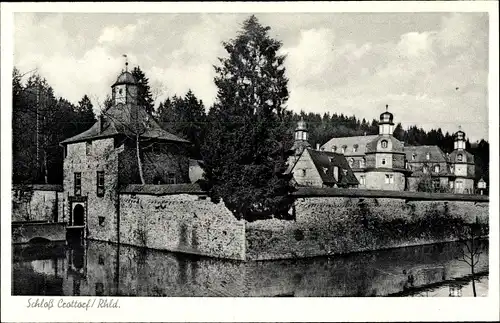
{"x": 144, "y": 96}
{"x": 85, "y": 116}
{"x": 244, "y": 152}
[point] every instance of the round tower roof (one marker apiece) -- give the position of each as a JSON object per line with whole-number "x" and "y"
{"x": 386, "y": 117}
{"x": 125, "y": 78}
{"x": 301, "y": 125}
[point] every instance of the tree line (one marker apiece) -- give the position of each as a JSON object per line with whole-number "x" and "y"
{"x": 243, "y": 139}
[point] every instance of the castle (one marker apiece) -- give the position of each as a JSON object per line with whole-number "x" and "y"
{"x": 382, "y": 162}
{"x": 125, "y": 146}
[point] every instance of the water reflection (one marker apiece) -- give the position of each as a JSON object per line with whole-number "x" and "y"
{"x": 100, "y": 268}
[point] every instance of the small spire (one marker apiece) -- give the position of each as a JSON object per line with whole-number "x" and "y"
{"x": 459, "y": 128}
{"x": 386, "y": 107}
{"x": 126, "y": 62}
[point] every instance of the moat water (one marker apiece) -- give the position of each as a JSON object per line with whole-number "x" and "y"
{"x": 105, "y": 269}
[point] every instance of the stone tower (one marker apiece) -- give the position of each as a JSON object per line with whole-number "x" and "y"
{"x": 124, "y": 90}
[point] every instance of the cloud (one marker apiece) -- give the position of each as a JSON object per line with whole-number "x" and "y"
{"x": 353, "y": 64}
{"x": 417, "y": 75}
{"x": 124, "y": 35}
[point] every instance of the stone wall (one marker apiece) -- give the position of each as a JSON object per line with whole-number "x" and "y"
{"x": 37, "y": 203}
{"x": 337, "y": 225}
{"x": 181, "y": 222}
{"x": 101, "y": 211}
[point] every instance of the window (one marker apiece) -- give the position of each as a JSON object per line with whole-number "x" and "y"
{"x": 362, "y": 180}
{"x": 436, "y": 169}
{"x": 459, "y": 157}
{"x": 459, "y": 184}
{"x": 88, "y": 148}
{"x": 334, "y": 148}
{"x": 424, "y": 169}
{"x": 362, "y": 163}
{"x": 383, "y": 161}
{"x": 78, "y": 184}
{"x": 413, "y": 156}
{"x": 171, "y": 178}
{"x": 351, "y": 162}
{"x": 101, "y": 260}
{"x": 100, "y": 184}
{"x": 304, "y": 172}
{"x": 451, "y": 184}
{"x": 389, "y": 179}
{"x": 101, "y": 221}
{"x": 428, "y": 156}
{"x": 383, "y": 143}
{"x": 343, "y": 149}
{"x": 355, "y": 148}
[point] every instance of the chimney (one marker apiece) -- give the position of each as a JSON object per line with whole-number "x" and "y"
{"x": 317, "y": 146}
{"x": 101, "y": 123}
{"x": 336, "y": 173}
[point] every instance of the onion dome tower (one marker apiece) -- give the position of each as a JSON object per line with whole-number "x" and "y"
{"x": 386, "y": 124}
{"x": 301, "y": 137}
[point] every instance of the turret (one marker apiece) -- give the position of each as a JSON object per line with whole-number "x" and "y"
{"x": 386, "y": 124}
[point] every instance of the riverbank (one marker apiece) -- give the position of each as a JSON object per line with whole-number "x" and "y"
{"x": 458, "y": 287}
{"x": 109, "y": 269}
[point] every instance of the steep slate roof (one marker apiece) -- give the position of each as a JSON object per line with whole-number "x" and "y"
{"x": 396, "y": 144}
{"x": 436, "y": 154}
{"x": 361, "y": 141}
{"x": 324, "y": 160}
{"x": 469, "y": 158}
{"x": 117, "y": 120}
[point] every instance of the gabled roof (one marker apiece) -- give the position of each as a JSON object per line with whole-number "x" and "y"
{"x": 117, "y": 120}
{"x": 436, "y": 154}
{"x": 361, "y": 141}
{"x": 325, "y": 161}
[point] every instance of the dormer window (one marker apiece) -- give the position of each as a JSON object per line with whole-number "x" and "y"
{"x": 351, "y": 162}
{"x": 428, "y": 156}
{"x": 413, "y": 156}
{"x": 343, "y": 149}
{"x": 334, "y": 148}
{"x": 355, "y": 148}
{"x": 383, "y": 143}
{"x": 362, "y": 163}
{"x": 425, "y": 169}
{"x": 460, "y": 157}
{"x": 436, "y": 169}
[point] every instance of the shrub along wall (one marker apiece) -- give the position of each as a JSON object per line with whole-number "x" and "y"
{"x": 337, "y": 224}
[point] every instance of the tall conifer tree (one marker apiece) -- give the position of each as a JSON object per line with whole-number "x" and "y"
{"x": 245, "y": 152}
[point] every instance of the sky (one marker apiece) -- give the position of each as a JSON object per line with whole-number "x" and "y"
{"x": 430, "y": 68}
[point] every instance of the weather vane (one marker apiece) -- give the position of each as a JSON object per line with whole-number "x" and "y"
{"x": 126, "y": 62}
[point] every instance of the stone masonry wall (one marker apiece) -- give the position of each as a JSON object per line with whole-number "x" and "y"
{"x": 103, "y": 156}
{"x": 181, "y": 222}
{"x": 337, "y": 225}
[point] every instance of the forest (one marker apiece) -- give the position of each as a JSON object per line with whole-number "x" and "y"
{"x": 38, "y": 116}
{"x": 248, "y": 125}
